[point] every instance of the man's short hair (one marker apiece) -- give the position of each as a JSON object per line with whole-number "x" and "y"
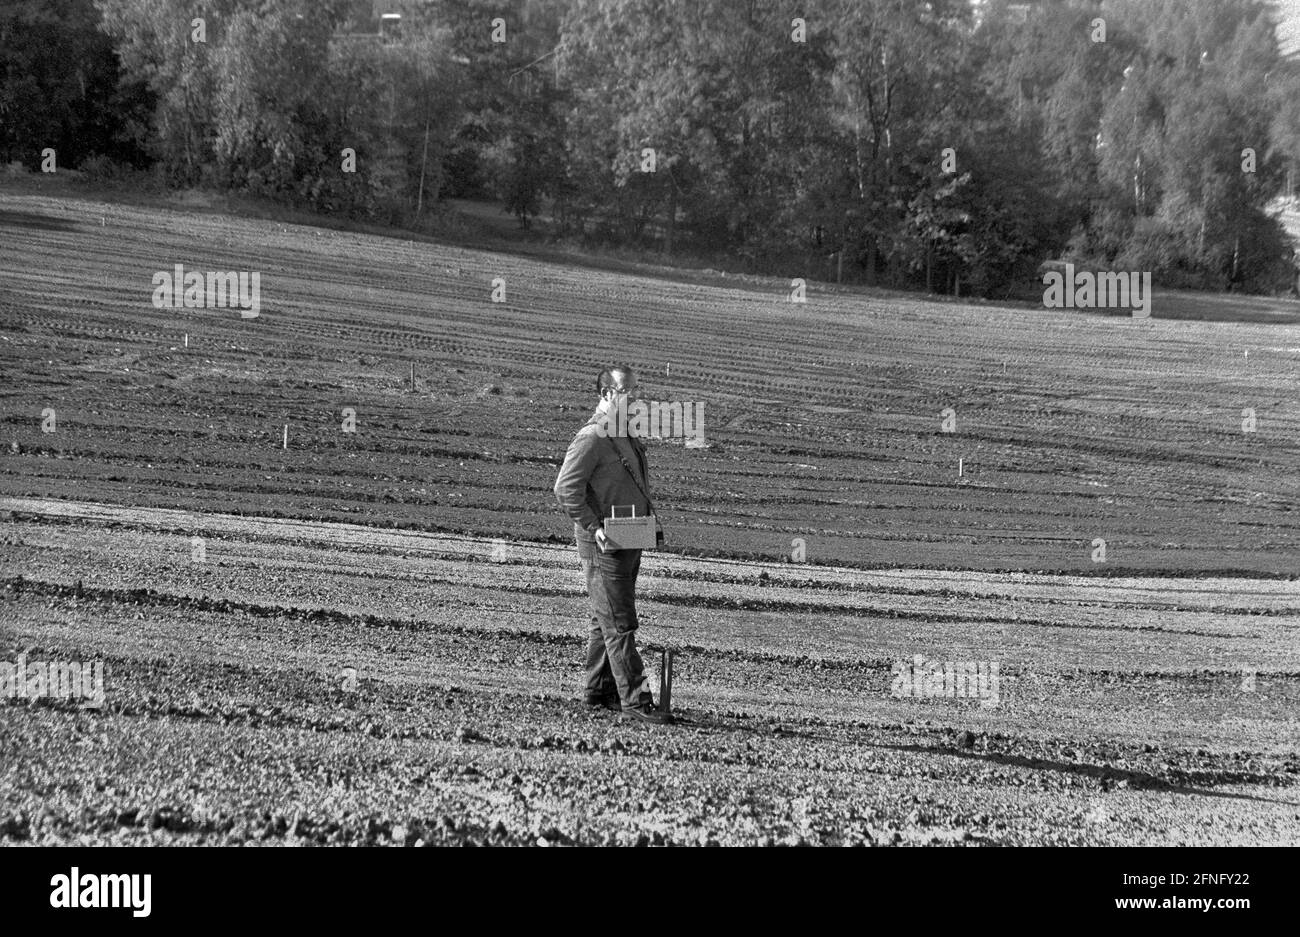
{"x": 605, "y": 379}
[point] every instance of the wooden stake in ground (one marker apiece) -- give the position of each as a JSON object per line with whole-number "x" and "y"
{"x": 959, "y": 461}
{"x": 187, "y": 339}
{"x": 666, "y": 683}
{"x": 412, "y": 375}
{"x": 286, "y": 436}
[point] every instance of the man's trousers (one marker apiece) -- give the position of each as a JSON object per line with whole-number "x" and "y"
{"x": 613, "y": 662}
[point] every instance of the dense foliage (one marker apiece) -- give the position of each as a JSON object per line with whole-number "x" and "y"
{"x": 943, "y": 145}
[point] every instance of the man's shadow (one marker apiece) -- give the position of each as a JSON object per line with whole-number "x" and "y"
{"x": 1136, "y": 780}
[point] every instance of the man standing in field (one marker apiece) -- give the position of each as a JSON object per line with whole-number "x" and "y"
{"x": 602, "y": 469}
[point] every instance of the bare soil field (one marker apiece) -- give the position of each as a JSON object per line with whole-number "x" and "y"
{"x": 1121, "y": 716}
{"x": 824, "y": 418}
{"x": 1149, "y": 698}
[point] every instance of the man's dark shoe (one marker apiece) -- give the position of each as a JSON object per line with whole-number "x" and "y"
{"x": 608, "y": 701}
{"x": 645, "y": 711}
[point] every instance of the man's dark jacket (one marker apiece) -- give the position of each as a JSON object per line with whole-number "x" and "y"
{"x": 592, "y": 479}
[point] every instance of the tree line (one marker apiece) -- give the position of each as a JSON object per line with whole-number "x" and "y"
{"x": 942, "y": 145}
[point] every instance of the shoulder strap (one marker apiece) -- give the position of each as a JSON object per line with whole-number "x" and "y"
{"x": 622, "y": 459}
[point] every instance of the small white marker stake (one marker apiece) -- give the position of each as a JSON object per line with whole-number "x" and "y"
{"x": 668, "y": 370}
{"x": 286, "y": 436}
{"x": 959, "y": 461}
{"x": 412, "y": 375}
{"x": 187, "y": 339}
